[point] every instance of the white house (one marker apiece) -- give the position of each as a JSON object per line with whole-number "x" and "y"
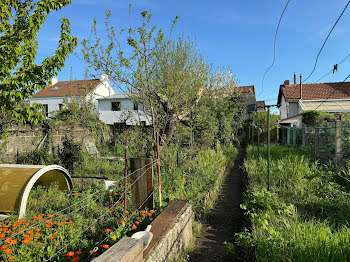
{"x": 52, "y": 96}
{"x": 111, "y": 107}
{"x": 294, "y": 99}
{"x": 120, "y": 108}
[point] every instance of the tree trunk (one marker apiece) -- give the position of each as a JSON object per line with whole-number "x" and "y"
{"x": 169, "y": 130}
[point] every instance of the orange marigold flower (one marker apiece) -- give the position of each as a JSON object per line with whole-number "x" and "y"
{"x": 149, "y": 214}
{"x": 60, "y": 224}
{"x": 30, "y": 232}
{"x": 76, "y": 259}
{"x": 134, "y": 227}
{"x": 48, "y": 226}
{"x": 27, "y": 240}
{"x": 12, "y": 258}
{"x": 105, "y": 246}
{"x": 143, "y": 211}
{"x": 38, "y": 243}
{"x": 66, "y": 219}
{"x": 108, "y": 230}
{"x": 13, "y": 241}
{"x": 72, "y": 228}
{"x": 8, "y": 251}
{"x": 137, "y": 222}
{"x": 34, "y": 217}
{"x": 152, "y": 211}
{"x": 143, "y": 215}
{"x": 110, "y": 196}
{"x": 8, "y": 240}
{"x": 55, "y": 234}
{"x": 127, "y": 212}
{"x": 37, "y": 229}
{"x": 115, "y": 194}
{"x": 117, "y": 203}
{"x": 3, "y": 247}
{"x": 70, "y": 254}
{"x": 78, "y": 252}
{"x": 2, "y": 236}
{"x": 112, "y": 210}
{"x": 37, "y": 234}
{"x": 51, "y": 237}
{"x": 26, "y": 236}
{"x": 76, "y": 193}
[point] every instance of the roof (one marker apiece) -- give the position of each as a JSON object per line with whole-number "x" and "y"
{"x": 68, "y": 88}
{"x": 247, "y": 89}
{"x": 316, "y": 91}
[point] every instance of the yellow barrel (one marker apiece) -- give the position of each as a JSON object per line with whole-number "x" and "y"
{"x": 16, "y": 181}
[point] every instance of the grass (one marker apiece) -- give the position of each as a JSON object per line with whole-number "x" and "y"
{"x": 306, "y": 214}
{"x": 196, "y": 172}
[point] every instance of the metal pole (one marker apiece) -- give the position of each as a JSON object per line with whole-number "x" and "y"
{"x": 268, "y": 148}
{"x": 126, "y": 173}
{"x": 258, "y": 135}
{"x": 159, "y": 180}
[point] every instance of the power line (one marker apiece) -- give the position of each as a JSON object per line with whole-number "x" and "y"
{"x": 274, "y": 47}
{"x": 325, "y": 41}
{"x": 332, "y": 93}
{"x": 330, "y": 71}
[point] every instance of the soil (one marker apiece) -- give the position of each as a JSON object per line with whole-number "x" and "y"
{"x": 225, "y": 219}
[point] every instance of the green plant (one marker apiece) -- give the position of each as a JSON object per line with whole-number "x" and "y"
{"x": 70, "y": 153}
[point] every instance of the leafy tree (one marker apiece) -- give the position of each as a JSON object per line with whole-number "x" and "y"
{"x": 20, "y": 76}
{"x": 170, "y": 77}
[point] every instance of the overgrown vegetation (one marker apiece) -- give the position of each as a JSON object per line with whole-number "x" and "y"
{"x": 305, "y": 215}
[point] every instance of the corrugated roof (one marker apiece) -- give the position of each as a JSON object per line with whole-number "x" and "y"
{"x": 317, "y": 91}
{"x": 68, "y": 88}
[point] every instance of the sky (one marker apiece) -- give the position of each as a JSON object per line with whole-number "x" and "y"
{"x": 235, "y": 34}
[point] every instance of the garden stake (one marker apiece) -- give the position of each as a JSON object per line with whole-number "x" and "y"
{"x": 125, "y": 173}
{"x": 159, "y": 181}
{"x": 268, "y": 148}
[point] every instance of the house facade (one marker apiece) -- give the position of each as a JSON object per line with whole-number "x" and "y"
{"x": 120, "y": 108}
{"x": 294, "y": 99}
{"x": 112, "y": 108}
{"x": 52, "y": 96}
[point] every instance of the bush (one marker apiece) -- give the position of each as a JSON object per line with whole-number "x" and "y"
{"x": 70, "y": 153}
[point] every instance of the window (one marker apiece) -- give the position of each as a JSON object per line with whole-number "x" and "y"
{"x": 136, "y": 106}
{"x": 116, "y": 106}
{"x": 143, "y": 123}
{"x": 46, "y": 110}
{"x": 60, "y": 106}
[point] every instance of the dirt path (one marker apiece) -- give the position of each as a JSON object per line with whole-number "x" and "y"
{"x": 225, "y": 219}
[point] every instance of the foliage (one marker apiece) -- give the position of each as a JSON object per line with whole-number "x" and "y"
{"x": 170, "y": 77}
{"x": 260, "y": 119}
{"x": 312, "y": 118}
{"x": 305, "y": 215}
{"x": 20, "y": 75}
{"x": 70, "y": 153}
{"x": 91, "y": 219}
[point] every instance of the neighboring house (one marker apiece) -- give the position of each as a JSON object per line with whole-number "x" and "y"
{"x": 111, "y": 107}
{"x": 260, "y": 106}
{"x": 120, "y": 108}
{"x": 248, "y": 95}
{"x": 294, "y": 99}
{"x": 52, "y": 96}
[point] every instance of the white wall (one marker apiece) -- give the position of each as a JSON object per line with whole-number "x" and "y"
{"x": 52, "y": 103}
{"x": 102, "y": 90}
{"x": 283, "y": 109}
{"x": 293, "y": 109}
{"x": 126, "y": 115}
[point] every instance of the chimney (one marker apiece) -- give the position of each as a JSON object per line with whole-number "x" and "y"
{"x": 286, "y": 82}
{"x": 54, "y": 80}
{"x": 103, "y": 77}
{"x": 295, "y": 78}
{"x": 301, "y": 86}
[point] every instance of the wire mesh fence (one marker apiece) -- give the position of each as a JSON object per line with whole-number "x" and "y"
{"x": 329, "y": 141}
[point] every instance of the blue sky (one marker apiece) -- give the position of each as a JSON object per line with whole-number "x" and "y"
{"x": 238, "y": 34}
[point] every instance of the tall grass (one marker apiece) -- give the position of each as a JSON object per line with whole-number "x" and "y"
{"x": 305, "y": 216}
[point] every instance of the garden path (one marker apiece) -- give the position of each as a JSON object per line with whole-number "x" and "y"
{"x": 225, "y": 219}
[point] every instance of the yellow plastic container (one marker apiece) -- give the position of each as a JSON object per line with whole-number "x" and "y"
{"x": 16, "y": 181}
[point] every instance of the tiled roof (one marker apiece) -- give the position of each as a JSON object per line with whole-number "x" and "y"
{"x": 68, "y": 88}
{"x": 247, "y": 89}
{"x": 317, "y": 91}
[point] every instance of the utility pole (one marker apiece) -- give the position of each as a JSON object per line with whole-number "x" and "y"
{"x": 268, "y": 144}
